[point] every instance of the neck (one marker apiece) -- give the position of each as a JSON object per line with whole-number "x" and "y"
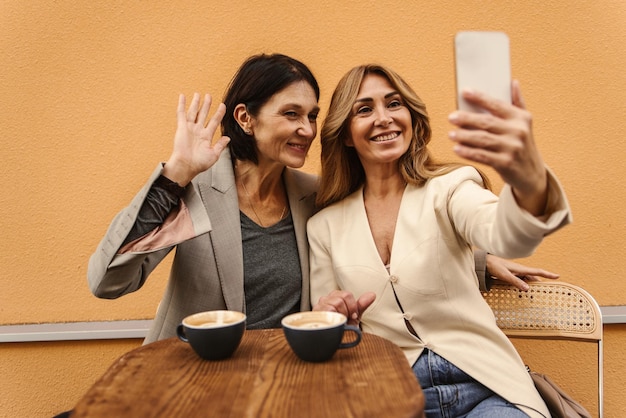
{"x": 381, "y": 187}
{"x": 262, "y": 195}
{"x": 263, "y": 182}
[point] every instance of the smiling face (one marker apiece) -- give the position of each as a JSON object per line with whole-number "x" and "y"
{"x": 380, "y": 127}
{"x": 286, "y": 125}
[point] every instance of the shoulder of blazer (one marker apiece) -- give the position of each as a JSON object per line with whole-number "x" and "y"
{"x": 305, "y": 184}
{"x": 457, "y": 176}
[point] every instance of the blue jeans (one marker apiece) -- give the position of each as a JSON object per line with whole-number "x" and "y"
{"x": 450, "y": 393}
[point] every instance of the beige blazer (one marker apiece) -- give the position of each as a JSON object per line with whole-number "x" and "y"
{"x": 432, "y": 270}
{"x": 207, "y": 270}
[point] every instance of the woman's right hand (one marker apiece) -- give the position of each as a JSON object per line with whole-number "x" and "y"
{"x": 345, "y": 303}
{"x": 503, "y": 139}
{"x": 194, "y": 151}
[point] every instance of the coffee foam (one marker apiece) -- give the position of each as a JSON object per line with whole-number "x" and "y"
{"x": 213, "y": 319}
{"x": 208, "y": 324}
{"x": 314, "y": 320}
{"x": 310, "y": 324}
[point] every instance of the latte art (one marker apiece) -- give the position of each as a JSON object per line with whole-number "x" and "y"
{"x": 311, "y": 325}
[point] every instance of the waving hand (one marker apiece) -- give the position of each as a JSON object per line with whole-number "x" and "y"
{"x": 194, "y": 150}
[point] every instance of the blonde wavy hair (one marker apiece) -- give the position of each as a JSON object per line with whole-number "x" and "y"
{"x": 342, "y": 172}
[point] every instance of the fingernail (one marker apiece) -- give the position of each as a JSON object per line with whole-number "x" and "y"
{"x": 452, "y": 134}
{"x": 453, "y": 116}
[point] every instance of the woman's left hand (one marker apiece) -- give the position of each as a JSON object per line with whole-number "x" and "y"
{"x": 503, "y": 139}
{"x": 516, "y": 274}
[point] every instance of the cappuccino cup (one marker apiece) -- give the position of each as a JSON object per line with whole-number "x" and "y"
{"x": 315, "y": 336}
{"x": 213, "y": 335}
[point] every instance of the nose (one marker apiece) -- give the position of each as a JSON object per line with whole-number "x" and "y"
{"x": 383, "y": 117}
{"x": 307, "y": 129}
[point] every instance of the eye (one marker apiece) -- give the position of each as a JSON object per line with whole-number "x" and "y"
{"x": 291, "y": 114}
{"x": 312, "y": 117}
{"x": 363, "y": 110}
{"x": 395, "y": 103}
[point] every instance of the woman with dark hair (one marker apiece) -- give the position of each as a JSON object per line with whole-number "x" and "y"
{"x": 396, "y": 231}
{"x": 235, "y": 213}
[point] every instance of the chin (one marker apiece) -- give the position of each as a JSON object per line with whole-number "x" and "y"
{"x": 294, "y": 163}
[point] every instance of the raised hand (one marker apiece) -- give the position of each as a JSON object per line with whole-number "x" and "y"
{"x": 194, "y": 150}
{"x": 503, "y": 139}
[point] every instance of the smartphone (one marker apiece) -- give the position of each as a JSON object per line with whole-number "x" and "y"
{"x": 482, "y": 62}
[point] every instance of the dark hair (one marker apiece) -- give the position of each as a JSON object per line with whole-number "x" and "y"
{"x": 257, "y": 80}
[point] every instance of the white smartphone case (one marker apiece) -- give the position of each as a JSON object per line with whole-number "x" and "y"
{"x": 482, "y": 62}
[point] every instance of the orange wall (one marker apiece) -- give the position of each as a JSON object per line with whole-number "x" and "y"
{"x": 87, "y": 109}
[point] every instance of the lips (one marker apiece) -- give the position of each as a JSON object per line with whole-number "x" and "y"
{"x": 301, "y": 147}
{"x": 385, "y": 137}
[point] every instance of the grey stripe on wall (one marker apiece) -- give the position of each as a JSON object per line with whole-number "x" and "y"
{"x": 71, "y": 331}
{"x": 113, "y": 330}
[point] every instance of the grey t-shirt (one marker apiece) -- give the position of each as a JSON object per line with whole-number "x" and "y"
{"x": 272, "y": 273}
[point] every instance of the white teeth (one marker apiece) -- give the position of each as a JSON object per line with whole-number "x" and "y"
{"x": 386, "y": 137}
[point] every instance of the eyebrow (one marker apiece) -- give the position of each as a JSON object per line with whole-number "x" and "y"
{"x": 369, "y": 99}
{"x": 300, "y": 107}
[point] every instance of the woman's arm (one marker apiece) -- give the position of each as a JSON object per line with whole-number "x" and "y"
{"x": 163, "y": 197}
{"x": 503, "y": 139}
{"x": 139, "y": 236}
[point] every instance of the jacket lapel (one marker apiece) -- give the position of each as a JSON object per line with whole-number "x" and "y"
{"x": 301, "y": 193}
{"x": 219, "y": 195}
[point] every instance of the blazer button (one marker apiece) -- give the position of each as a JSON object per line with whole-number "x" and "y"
{"x": 393, "y": 279}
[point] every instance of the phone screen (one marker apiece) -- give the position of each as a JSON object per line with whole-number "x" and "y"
{"x": 482, "y": 62}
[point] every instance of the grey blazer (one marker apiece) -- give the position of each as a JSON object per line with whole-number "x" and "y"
{"x": 207, "y": 270}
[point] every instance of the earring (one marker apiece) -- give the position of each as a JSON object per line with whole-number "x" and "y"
{"x": 248, "y": 132}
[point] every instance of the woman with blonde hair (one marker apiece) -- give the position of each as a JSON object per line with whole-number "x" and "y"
{"x": 397, "y": 229}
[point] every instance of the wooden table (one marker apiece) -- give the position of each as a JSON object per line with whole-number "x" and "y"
{"x": 262, "y": 379}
